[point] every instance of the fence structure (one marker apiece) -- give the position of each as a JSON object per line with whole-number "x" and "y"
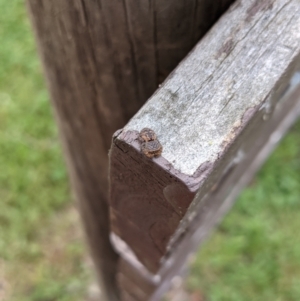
{"x": 210, "y": 125}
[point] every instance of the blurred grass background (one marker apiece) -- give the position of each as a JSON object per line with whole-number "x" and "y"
{"x": 42, "y": 256}
{"x": 253, "y": 255}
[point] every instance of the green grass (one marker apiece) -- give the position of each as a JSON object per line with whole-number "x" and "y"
{"x": 33, "y": 181}
{"x": 254, "y": 254}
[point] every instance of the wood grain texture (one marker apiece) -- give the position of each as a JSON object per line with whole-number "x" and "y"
{"x": 102, "y": 60}
{"x": 210, "y": 205}
{"x": 213, "y": 115}
{"x": 212, "y": 89}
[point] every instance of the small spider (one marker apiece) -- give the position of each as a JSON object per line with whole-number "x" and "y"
{"x": 150, "y": 145}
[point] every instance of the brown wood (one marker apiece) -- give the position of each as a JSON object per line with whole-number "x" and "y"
{"x": 102, "y": 60}
{"x": 140, "y": 214}
{"x": 217, "y": 115}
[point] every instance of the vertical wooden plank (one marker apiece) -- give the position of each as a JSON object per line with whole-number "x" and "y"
{"x": 79, "y": 79}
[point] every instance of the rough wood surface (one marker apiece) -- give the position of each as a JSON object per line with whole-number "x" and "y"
{"x": 102, "y": 60}
{"x": 212, "y": 115}
{"x": 211, "y": 205}
{"x": 212, "y": 89}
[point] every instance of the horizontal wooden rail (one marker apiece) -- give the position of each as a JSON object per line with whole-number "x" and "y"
{"x": 217, "y": 117}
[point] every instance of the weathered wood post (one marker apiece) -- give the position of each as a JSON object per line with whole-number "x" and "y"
{"x": 102, "y": 60}
{"x": 217, "y": 117}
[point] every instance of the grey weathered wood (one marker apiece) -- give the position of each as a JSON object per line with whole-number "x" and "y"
{"x": 102, "y": 60}
{"x": 213, "y": 88}
{"x": 213, "y": 116}
{"x": 210, "y": 208}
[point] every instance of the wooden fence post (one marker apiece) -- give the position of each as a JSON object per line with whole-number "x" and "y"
{"x": 217, "y": 117}
{"x": 102, "y": 60}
